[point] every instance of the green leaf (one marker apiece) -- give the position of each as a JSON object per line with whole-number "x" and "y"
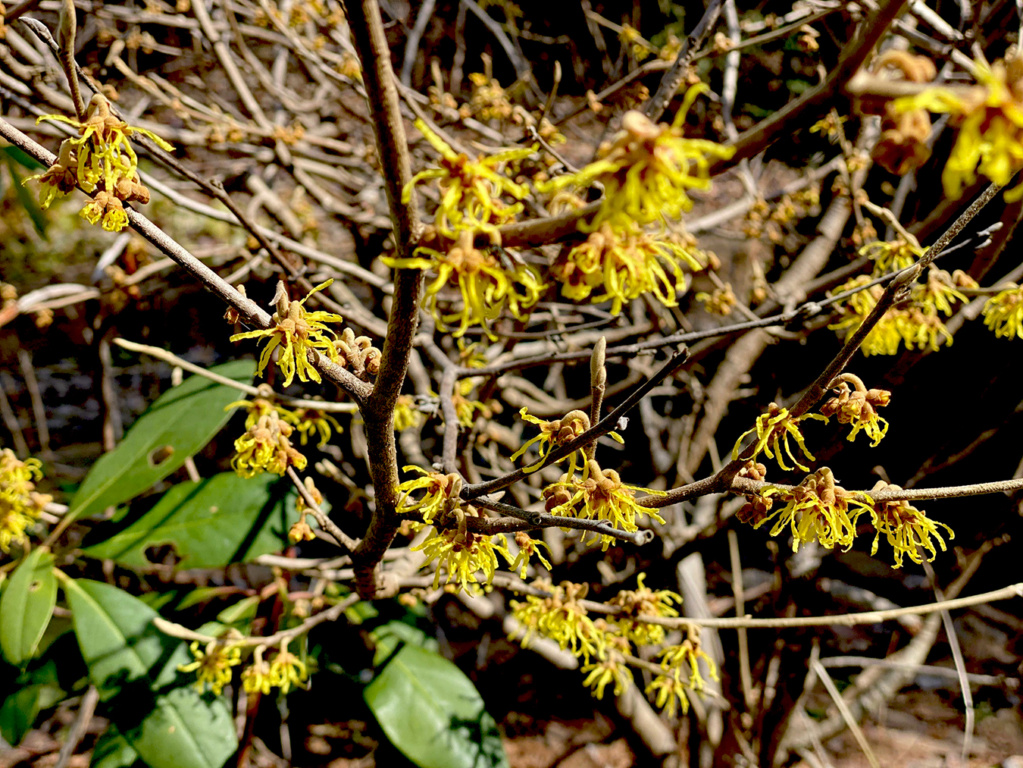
{"x": 112, "y": 750}
{"x": 26, "y": 606}
{"x": 20, "y": 709}
{"x": 176, "y": 426}
{"x": 134, "y": 667}
{"x": 210, "y": 524}
{"x": 394, "y": 633}
{"x": 433, "y": 713}
{"x": 27, "y": 198}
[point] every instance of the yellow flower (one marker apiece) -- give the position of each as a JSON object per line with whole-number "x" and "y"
{"x": 560, "y": 617}
{"x": 604, "y": 672}
{"x": 643, "y": 602}
{"x": 103, "y": 151}
{"x": 554, "y": 434}
{"x": 672, "y": 689}
{"x": 528, "y": 547}
{"x": 470, "y": 190}
{"x": 906, "y": 528}
{"x": 406, "y": 415}
{"x": 1003, "y": 312}
{"x": 815, "y": 510}
{"x": 265, "y": 446}
{"x": 107, "y": 210}
{"x": 918, "y": 324}
{"x": 20, "y": 504}
{"x": 212, "y": 665}
{"x": 671, "y": 693}
{"x": 256, "y": 676}
{"x": 647, "y": 171}
{"x": 858, "y": 407}
{"x": 287, "y": 669}
{"x": 773, "y": 431}
{"x": 598, "y": 495}
{"x": 461, "y": 554}
{"x": 990, "y": 117}
{"x": 60, "y": 178}
{"x": 624, "y": 263}
{"x": 485, "y": 284}
{"x": 440, "y": 493}
{"x": 296, "y": 332}
{"x": 893, "y": 255}
{"x": 310, "y": 420}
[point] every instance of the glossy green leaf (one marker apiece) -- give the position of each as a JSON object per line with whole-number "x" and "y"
{"x": 221, "y": 520}
{"x": 176, "y": 426}
{"x": 134, "y": 667}
{"x": 26, "y": 606}
{"x": 432, "y": 712}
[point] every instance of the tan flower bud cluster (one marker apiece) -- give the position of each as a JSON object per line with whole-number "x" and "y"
{"x": 902, "y": 146}
{"x": 358, "y": 354}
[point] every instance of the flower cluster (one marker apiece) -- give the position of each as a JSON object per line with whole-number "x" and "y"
{"x": 461, "y": 553}
{"x": 647, "y": 171}
{"x": 296, "y": 332}
{"x": 20, "y": 503}
{"x": 623, "y": 263}
{"x": 310, "y": 421}
{"x": 893, "y": 255}
{"x": 773, "y": 430}
{"x": 858, "y": 406}
{"x": 634, "y": 604}
{"x": 471, "y": 190}
{"x": 406, "y": 415}
{"x": 485, "y": 283}
{"x": 553, "y": 434}
{"x": 101, "y": 160}
{"x": 598, "y": 494}
{"x": 917, "y": 324}
{"x": 815, "y": 510}
{"x": 266, "y": 445}
{"x": 990, "y": 120}
{"x": 605, "y": 647}
{"x": 819, "y": 510}
{"x": 681, "y": 673}
{"x": 440, "y": 493}
{"x": 212, "y": 665}
{"x": 908, "y": 530}
{"x": 560, "y": 616}
{"x": 1003, "y": 312}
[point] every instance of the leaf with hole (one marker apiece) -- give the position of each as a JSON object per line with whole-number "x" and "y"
{"x": 174, "y": 428}
{"x": 26, "y": 606}
{"x": 432, "y": 712}
{"x": 220, "y": 520}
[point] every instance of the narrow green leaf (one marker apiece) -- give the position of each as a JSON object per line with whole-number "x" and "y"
{"x": 26, "y": 606}
{"x": 134, "y": 667}
{"x": 210, "y": 524}
{"x": 27, "y": 199}
{"x": 432, "y": 712}
{"x": 179, "y": 423}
